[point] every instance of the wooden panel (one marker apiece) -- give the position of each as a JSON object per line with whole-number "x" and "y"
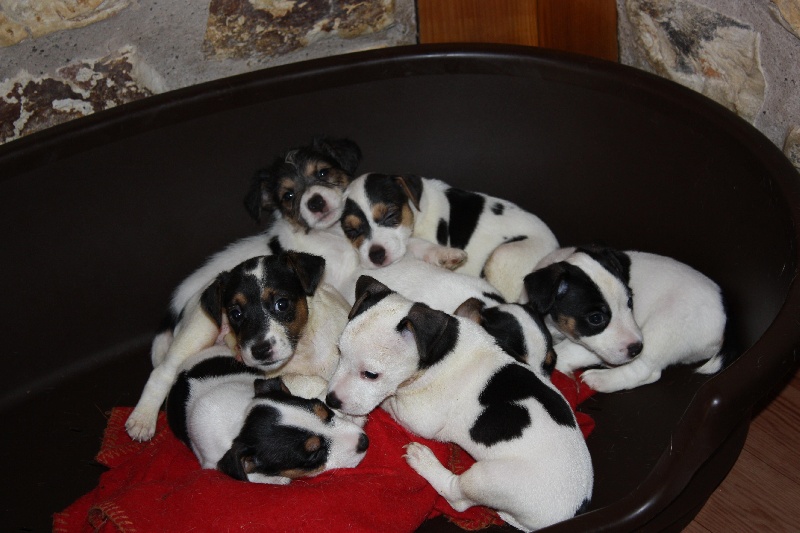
{"x": 482, "y": 21}
{"x": 582, "y": 26}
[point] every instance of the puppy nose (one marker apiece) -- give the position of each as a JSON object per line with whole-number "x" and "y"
{"x": 635, "y": 349}
{"x": 316, "y": 204}
{"x": 333, "y": 401}
{"x": 262, "y": 351}
{"x": 363, "y": 443}
{"x": 377, "y": 254}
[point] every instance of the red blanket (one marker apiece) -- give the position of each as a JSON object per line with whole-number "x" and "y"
{"x": 159, "y": 486}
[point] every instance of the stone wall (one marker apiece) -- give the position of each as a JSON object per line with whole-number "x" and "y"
{"x": 744, "y": 55}
{"x": 62, "y": 59}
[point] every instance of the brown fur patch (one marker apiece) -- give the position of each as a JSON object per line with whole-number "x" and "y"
{"x": 322, "y": 412}
{"x": 414, "y": 377}
{"x": 297, "y": 325}
{"x": 294, "y": 473}
{"x": 379, "y": 211}
{"x": 550, "y": 359}
{"x": 407, "y": 217}
{"x": 567, "y": 325}
{"x": 240, "y": 299}
{"x": 286, "y": 185}
{"x": 353, "y": 222}
{"x": 312, "y": 444}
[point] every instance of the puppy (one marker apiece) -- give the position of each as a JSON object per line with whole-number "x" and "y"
{"x": 501, "y": 241}
{"x": 635, "y": 312}
{"x": 518, "y": 330}
{"x": 305, "y": 185}
{"x": 266, "y": 309}
{"x": 445, "y": 378}
{"x": 252, "y": 428}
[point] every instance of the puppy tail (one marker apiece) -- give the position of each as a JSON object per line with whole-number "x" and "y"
{"x": 728, "y": 352}
{"x": 713, "y": 365}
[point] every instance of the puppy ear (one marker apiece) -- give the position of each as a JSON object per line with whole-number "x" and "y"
{"x": 266, "y": 387}
{"x": 345, "y": 152}
{"x": 412, "y": 186}
{"x": 309, "y": 269}
{"x": 435, "y": 333}
{"x": 613, "y": 260}
{"x": 236, "y": 463}
{"x": 369, "y": 291}
{"x": 471, "y": 309}
{"x": 543, "y": 286}
{"x": 258, "y": 199}
{"x": 211, "y": 299}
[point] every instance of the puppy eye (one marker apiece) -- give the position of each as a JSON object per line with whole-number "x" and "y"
{"x": 352, "y": 233}
{"x": 392, "y": 218}
{"x": 281, "y": 305}
{"x": 288, "y": 196}
{"x": 596, "y": 319}
{"x": 323, "y": 173}
{"x": 366, "y": 374}
{"x": 235, "y": 314}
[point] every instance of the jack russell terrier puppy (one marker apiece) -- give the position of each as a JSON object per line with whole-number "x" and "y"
{"x": 445, "y": 378}
{"x": 499, "y": 239}
{"x": 254, "y": 429}
{"x": 275, "y": 315}
{"x": 634, "y": 312}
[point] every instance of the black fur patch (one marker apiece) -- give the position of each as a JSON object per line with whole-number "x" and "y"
{"x": 381, "y": 188}
{"x": 377, "y": 292}
{"x": 465, "y": 211}
{"x": 442, "y": 232}
{"x": 496, "y": 297}
{"x": 506, "y": 331}
{"x": 354, "y": 222}
{"x": 517, "y": 238}
{"x": 436, "y": 333}
{"x": 498, "y": 209}
{"x": 503, "y": 419}
{"x": 275, "y": 245}
{"x": 615, "y": 261}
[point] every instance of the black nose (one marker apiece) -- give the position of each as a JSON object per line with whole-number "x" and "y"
{"x": 363, "y": 443}
{"x": 635, "y": 349}
{"x": 377, "y": 254}
{"x": 262, "y": 351}
{"x": 333, "y": 401}
{"x": 316, "y": 204}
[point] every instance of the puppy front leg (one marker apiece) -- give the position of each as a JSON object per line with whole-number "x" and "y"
{"x": 571, "y": 356}
{"x": 446, "y": 483}
{"x": 634, "y": 374}
{"x": 436, "y": 254}
{"x": 200, "y": 332}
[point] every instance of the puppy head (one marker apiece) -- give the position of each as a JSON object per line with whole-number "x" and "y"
{"x": 587, "y": 299}
{"x": 285, "y": 436}
{"x": 306, "y": 185}
{"x": 388, "y": 343}
{"x": 265, "y": 302}
{"x": 378, "y": 219}
{"x": 517, "y": 329}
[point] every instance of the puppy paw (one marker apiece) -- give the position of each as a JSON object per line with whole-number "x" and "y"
{"x": 421, "y": 458}
{"x": 601, "y": 380}
{"x": 140, "y": 426}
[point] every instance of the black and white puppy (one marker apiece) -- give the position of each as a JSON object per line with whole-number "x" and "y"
{"x": 445, "y": 378}
{"x": 266, "y": 309}
{"x": 518, "y": 330}
{"x": 500, "y": 240}
{"x": 254, "y": 429}
{"x": 305, "y": 185}
{"x": 302, "y": 194}
{"x": 635, "y": 312}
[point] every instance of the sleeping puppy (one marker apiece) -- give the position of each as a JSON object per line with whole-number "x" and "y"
{"x": 266, "y": 309}
{"x": 635, "y": 312}
{"x": 254, "y": 429}
{"x": 305, "y": 185}
{"x": 445, "y": 378}
{"x": 518, "y": 330}
{"x": 302, "y": 195}
{"x": 500, "y": 240}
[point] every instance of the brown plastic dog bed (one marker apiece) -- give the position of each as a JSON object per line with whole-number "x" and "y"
{"x": 105, "y": 215}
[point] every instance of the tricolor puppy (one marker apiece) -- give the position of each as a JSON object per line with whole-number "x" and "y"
{"x": 254, "y": 429}
{"x": 635, "y": 312}
{"x": 266, "y": 309}
{"x": 500, "y": 240}
{"x": 518, "y": 330}
{"x": 445, "y": 378}
{"x": 306, "y": 184}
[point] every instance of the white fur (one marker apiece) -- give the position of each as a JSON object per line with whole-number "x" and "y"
{"x": 678, "y": 310}
{"x": 535, "y": 480}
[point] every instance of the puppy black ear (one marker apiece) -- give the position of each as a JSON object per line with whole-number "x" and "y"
{"x": 613, "y": 260}
{"x": 211, "y": 299}
{"x": 236, "y": 463}
{"x": 309, "y": 269}
{"x": 369, "y": 291}
{"x": 412, "y": 187}
{"x": 471, "y": 309}
{"x": 258, "y": 200}
{"x": 435, "y": 332}
{"x": 345, "y": 152}
{"x": 266, "y": 387}
{"x": 543, "y": 286}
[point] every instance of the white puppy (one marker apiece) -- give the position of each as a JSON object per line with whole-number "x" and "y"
{"x": 635, "y": 312}
{"x": 445, "y": 378}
